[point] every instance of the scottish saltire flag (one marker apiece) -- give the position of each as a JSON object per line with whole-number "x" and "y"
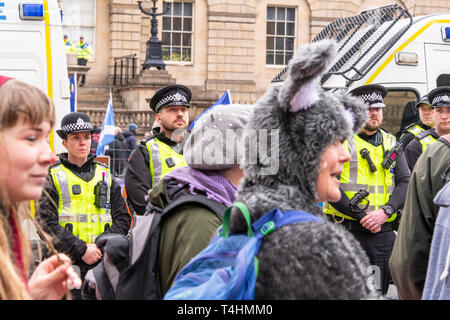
{"x": 224, "y": 99}
{"x": 107, "y": 134}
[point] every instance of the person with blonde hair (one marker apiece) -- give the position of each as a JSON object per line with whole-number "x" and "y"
{"x": 26, "y": 118}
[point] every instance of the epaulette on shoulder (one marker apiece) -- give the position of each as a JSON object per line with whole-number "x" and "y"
{"x": 409, "y": 126}
{"x": 385, "y": 131}
{"x": 57, "y": 163}
{"x": 426, "y": 133}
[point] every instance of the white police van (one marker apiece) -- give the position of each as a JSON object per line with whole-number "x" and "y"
{"x": 32, "y": 50}
{"x": 408, "y": 55}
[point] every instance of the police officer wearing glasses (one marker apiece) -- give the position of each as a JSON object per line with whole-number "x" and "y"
{"x": 372, "y": 195}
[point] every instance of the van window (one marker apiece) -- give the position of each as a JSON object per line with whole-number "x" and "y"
{"x": 400, "y": 109}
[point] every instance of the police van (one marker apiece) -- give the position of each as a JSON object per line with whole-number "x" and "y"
{"x": 32, "y": 51}
{"x": 408, "y": 55}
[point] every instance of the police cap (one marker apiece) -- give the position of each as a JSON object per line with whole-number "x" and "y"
{"x": 440, "y": 97}
{"x": 75, "y": 122}
{"x": 174, "y": 95}
{"x": 372, "y": 94}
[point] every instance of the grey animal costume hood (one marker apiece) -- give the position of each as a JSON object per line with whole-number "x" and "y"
{"x": 306, "y": 260}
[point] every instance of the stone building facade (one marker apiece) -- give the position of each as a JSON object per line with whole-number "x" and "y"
{"x": 227, "y": 48}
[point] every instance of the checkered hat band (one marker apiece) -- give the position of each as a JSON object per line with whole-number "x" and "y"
{"x": 371, "y": 98}
{"x": 172, "y": 98}
{"x": 440, "y": 99}
{"x": 80, "y": 125}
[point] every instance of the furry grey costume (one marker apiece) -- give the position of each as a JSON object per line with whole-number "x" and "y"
{"x": 307, "y": 260}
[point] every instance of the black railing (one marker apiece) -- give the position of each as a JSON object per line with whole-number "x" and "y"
{"x": 125, "y": 69}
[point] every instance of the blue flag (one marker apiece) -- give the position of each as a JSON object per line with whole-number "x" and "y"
{"x": 224, "y": 99}
{"x": 107, "y": 133}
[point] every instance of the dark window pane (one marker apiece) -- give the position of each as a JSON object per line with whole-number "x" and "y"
{"x": 166, "y": 23}
{"x": 290, "y": 29}
{"x": 176, "y": 54}
{"x": 187, "y": 24}
{"x": 186, "y": 40}
{"x": 177, "y": 8}
{"x": 289, "y": 43}
{"x": 279, "y": 44}
{"x": 270, "y": 13}
{"x": 290, "y": 14}
{"x": 279, "y": 57}
{"x": 188, "y": 9}
{"x": 269, "y": 57}
{"x": 288, "y": 56}
{"x": 176, "y": 24}
{"x": 166, "y": 53}
{"x": 280, "y": 28}
{"x": 270, "y": 43}
{"x": 176, "y": 39}
{"x": 280, "y": 14}
{"x": 165, "y": 38}
{"x": 167, "y": 5}
{"x": 186, "y": 54}
{"x": 271, "y": 28}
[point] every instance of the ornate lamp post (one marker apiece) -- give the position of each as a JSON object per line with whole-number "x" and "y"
{"x": 154, "y": 51}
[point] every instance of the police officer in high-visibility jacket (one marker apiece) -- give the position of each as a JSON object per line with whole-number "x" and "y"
{"x": 68, "y": 45}
{"x": 84, "y": 54}
{"x": 163, "y": 151}
{"x": 438, "y": 103}
{"x": 371, "y": 218}
{"x": 82, "y": 200}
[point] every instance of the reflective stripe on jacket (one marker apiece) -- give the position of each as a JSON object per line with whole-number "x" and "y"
{"x": 163, "y": 159}
{"x": 357, "y": 174}
{"x": 76, "y": 204}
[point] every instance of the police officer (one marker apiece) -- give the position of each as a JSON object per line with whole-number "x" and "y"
{"x": 440, "y": 102}
{"x": 84, "y": 54}
{"x": 425, "y": 121}
{"x": 371, "y": 219}
{"x": 163, "y": 151}
{"x": 82, "y": 198}
{"x": 68, "y": 45}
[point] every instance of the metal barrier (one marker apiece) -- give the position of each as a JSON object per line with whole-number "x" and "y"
{"x": 125, "y": 69}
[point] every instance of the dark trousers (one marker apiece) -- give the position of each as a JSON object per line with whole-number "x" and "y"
{"x": 378, "y": 247}
{"x": 82, "y": 62}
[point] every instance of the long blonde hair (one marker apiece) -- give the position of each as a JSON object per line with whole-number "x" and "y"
{"x": 18, "y": 102}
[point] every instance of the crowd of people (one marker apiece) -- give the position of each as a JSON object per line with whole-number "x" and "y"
{"x": 320, "y": 152}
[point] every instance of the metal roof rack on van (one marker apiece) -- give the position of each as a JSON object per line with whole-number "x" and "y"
{"x": 362, "y": 39}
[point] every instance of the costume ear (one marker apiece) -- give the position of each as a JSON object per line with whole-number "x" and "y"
{"x": 357, "y": 108}
{"x": 300, "y": 89}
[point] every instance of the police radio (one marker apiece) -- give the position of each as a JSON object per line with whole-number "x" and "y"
{"x": 101, "y": 193}
{"x": 365, "y": 154}
{"x": 395, "y": 152}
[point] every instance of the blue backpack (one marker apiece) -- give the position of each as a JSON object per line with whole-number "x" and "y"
{"x": 228, "y": 267}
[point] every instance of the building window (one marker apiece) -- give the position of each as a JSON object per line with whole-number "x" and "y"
{"x": 280, "y": 35}
{"x": 177, "y": 32}
{"x": 78, "y": 19}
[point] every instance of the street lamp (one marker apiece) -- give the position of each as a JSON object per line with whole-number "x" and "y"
{"x": 153, "y": 56}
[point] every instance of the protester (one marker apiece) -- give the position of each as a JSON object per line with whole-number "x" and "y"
{"x": 437, "y": 286}
{"x": 26, "y": 118}
{"x": 117, "y": 151}
{"x": 130, "y": 138}
{"x": 189, "y": 228}
{"x": 155, "y": 157}
{"x": 409, "y": 258}
{"x": 82, "y": 199}
{"x": 95, "y": 139}
{"x": 304, "y": 260}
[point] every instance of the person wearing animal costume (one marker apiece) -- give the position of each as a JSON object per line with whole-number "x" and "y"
{"x": 305, "y": 260}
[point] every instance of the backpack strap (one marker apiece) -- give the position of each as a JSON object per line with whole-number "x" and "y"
{"x": 226, "y": 219}
{"x": 216, "y": 207}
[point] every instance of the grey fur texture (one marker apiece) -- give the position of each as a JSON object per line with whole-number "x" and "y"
{"x": 303, "y": 261}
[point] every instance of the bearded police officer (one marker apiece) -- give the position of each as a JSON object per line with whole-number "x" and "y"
{"x": 163, "y": 151}
{"x": 82, "y": 198}
{"x": 440, "y": 102}
{"x": 370, "y": 217}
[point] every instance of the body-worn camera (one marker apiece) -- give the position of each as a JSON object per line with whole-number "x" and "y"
{"x": 365, "y": 154}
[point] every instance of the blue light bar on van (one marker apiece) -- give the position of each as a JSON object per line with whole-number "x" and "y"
{"x": 31, "y": 11}
{"x": 445, "y": 32}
